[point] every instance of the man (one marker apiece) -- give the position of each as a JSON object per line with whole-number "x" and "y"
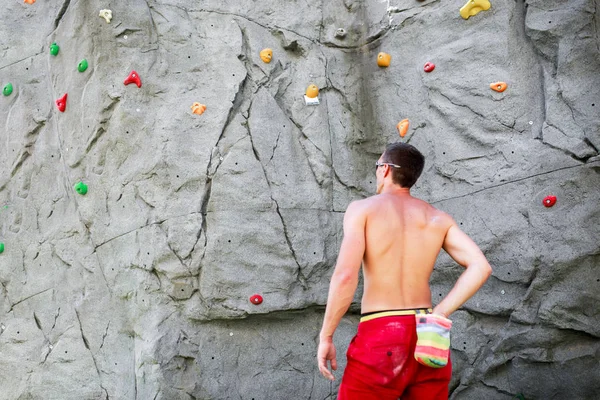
{"x": 397, "y": 237}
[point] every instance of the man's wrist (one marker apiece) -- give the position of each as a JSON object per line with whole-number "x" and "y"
{"x": 325, "y": 337}
{"x": 440, "y": 312}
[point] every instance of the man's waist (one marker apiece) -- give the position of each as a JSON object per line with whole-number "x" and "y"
{"x": 368, "y": 316}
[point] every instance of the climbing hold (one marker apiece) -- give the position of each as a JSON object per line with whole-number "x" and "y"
{"x": 403, "y": 127}
{"x": 384, "y": 59}
{"x": 473, "y": 7}
{"x": 8, "y": 89}
{"x": 428, "y": 67}
{"x": 266, "y": 55}
{"x": 499, "y": 86}
{"x": 82, "y": 66}
{"x": 256, "y": 299}
{"x": 81, "y": 188}
{"x": 340, "y": 33}
{"x": 133, "y": 78}
{"x": 107, "y": 15}
{"x": 29, "y": 1}
{"x": 311, "y": 97}
{"x": 312, "y": 91}
{"x": 1, "y": 247}
{"x": 62, "y": 103}
{"x": 54, "y": 49}
{"x": 198, "y": 108}
{"x": 549, "y": 201}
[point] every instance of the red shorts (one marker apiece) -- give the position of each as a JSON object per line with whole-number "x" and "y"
{"x": 381, "y": 364}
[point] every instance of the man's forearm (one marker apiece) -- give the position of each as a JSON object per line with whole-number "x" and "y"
{"x": 466, "y": 286}
{"x": 341, "y": 293}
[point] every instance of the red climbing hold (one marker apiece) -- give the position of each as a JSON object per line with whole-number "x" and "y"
{"x": 62, "y": 103}
{"x": 428, "y": 67}
{"x": 549, "y": 201}
{"x": 256, "y": 299}
{"x": 133, "y": 77}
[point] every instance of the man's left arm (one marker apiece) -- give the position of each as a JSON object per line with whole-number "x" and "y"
{"x": 344, "y": 282}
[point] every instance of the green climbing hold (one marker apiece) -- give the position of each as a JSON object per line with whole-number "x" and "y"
{"x": 81, "y": 188}
{"x": 1, "y": 247}
{"x": 54, "y": 49}
{"x": 82, "y": 66}
{"x": 8, "y": 89}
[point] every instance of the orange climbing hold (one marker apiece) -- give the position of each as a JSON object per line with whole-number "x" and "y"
{"x": 29, "y": 1}
{"x": 384, "y": 59}
{"x": 312, "y": 91}
{"x": 499, "y": 86}
{"x": 403, "y": 127}
{"x": 266, "y": 55}
{"x": 198, "y": 108}
{"x": 473, "y": 7}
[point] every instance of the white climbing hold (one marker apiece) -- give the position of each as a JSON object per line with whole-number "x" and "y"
{"x": 125, "y": 37}
{"x": 311, "y": 101}
{"x": 107, "y": 15}
{"x": 502, "y": 291}
{"x": 530, "y": 122}
{"x": 230, "y": 333}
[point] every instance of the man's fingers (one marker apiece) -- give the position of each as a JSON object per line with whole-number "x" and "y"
{"x": 334, "y": 364}
{"x": 326, "y": 373}
{"x": 323, "y": 368}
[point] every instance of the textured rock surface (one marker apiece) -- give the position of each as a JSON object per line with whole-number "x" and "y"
{"x": 140, "y": 288}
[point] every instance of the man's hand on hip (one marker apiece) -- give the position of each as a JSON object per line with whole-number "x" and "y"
{"x": 327, "y": 353}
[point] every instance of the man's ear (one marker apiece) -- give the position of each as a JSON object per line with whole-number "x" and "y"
{"x": 387, "y": 170}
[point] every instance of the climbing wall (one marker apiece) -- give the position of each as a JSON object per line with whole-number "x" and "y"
{"x": 172, "y": 188}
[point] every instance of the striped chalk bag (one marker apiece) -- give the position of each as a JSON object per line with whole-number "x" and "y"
{"x": 433, "y": 340}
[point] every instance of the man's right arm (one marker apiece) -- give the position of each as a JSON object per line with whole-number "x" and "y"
{"x": 466, "y": 253}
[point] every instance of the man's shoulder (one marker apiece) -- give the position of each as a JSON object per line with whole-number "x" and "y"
{"x": 440, "y": 217}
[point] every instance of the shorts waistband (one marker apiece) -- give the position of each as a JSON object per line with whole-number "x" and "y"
{"x": 392, "y": 313}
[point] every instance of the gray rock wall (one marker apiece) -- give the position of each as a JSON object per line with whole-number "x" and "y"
{"x": 140, "y": 289}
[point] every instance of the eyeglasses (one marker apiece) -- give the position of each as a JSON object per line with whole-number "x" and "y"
{"x": 378, "y": 164}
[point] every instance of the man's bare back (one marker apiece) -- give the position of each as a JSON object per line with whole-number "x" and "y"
{"x": 396, "y": 238}
{"x": 403, "y": 238}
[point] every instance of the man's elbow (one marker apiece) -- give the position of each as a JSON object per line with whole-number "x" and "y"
{"x": 345, "y": 278}
{"x": 486, "y": 270}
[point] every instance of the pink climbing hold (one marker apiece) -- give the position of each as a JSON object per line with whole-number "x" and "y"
{"x": 133, "y": 77}
{"x": 256, "y": 299}
{"x": 428, "y": 67}
{"x": 62, "y": 103}
{"x": 549, "y": 201}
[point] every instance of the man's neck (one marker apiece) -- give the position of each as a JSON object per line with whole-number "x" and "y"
{"x": 395, "y": 190}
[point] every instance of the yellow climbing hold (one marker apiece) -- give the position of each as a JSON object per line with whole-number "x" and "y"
{"x": 473, "y": 7}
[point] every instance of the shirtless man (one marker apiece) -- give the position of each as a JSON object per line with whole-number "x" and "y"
{"x": 397, "y": 237}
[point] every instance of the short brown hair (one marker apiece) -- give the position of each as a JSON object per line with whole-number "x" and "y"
{"x": 410, "y": 160}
